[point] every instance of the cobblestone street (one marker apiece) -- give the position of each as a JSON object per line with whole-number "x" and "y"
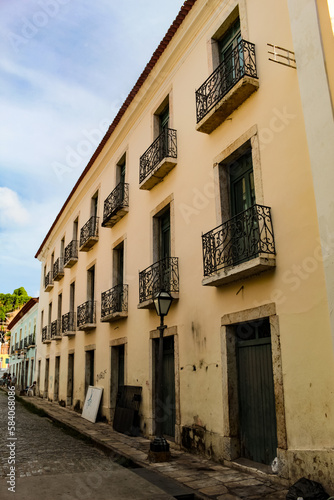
{"x": 50, "y": 464}
{"x": 58, "y": 465}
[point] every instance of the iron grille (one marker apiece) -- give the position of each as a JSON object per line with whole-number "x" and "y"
{"x": 240, "y": 239}
{"x": 118, "y": 198}
{"x": 31, "y": 339}
{"x": 89, "y": 230}
{"x": 162, "y": 275}
{"x": 164, "y": 146}
{"x": 55, "y": 329}
{"x": 86, "y": 314}
{"x": 68, "y": 322}
{"x": 71, "y": 251}
{"x": 240, "y": 62}
{"x": 25, "y": 342}
{"x": 45, "y": 333}
{"x": 48, "y": 279}
{"x": 114, "y": 300}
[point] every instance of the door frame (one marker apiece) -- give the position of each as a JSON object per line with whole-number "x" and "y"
{"x": 230, "y": 377}
{"x": 154, "y": 335}
{"x": 113, "y": 363}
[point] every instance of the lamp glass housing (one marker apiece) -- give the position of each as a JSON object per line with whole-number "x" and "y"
{"x": 162, "y": 303}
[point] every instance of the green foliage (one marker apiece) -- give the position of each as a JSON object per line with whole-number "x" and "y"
{"x": 11, "y": 301}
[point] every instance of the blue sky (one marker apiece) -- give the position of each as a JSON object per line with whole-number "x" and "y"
{"x": 66, "y": 66}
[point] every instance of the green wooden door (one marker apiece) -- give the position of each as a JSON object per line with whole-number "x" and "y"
{"x": 257, "y": 416}
{"x": 168, "y": 426}
{"x": 244, "y": 224}
{"x": 231, "y": 56}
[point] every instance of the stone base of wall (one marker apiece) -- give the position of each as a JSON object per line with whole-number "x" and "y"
{"x": 317, "y": 465}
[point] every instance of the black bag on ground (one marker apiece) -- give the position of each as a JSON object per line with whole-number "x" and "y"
{"x": 307, "y": 489}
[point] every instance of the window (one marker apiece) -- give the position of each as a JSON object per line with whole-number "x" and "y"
{"x": 245, "y": 235}
{"x": 234, "y": 74}
{"x": 72, "y": 297}
{"x": 75, "y": 229}
{"x": 91, "y": 283}
{"x": 161, "y": 118}
{"x": 161, "y": 157}
{"x": 60, "y": 300}
{"x": 118, "y": 264}
{"x": 120, "y": 170}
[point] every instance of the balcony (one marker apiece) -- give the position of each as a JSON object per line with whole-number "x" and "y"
{"x": 227, "y": 88}
{"x": 241, "y": 247}
{"x": 46, "y": 334}
{"x": 114, "y": 303}
{"x": 31, "y": 340}
{"x": 48, "y": 282}
{"x": 56, "y": 329}
{"x": 68, "y": 324}
{"x": 71, "y": 254}
{"x": 86, "y": 315}
{"x": 58, "y": 269}
{"x": 116, "y": 205}
{"x": 158, "y": 160}
{"x": 162, "y": 275}
{"x": 89, "y": 234}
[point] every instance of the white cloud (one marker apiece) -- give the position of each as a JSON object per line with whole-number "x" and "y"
{"x": 11, "y": 209}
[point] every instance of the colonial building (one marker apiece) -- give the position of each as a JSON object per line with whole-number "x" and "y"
{"x": 4, "y": 355}
{"x": 204, "y": 186}
{"x": 23, "y": 343}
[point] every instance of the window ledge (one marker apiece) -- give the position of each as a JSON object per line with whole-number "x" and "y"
{"x": 149, "y": 304}
{"x": 71, "y": 262}
{"x": 114, "y": 317}
{"x": 113, "y": 219}
{"x": 244, "y": 270}
{"x": 243, "y": 89}
{"x": 87, "y": 326}
{"x": 69, "y": 334}
{"x": 158, "y": 173}
{"x": 89, "y": 244}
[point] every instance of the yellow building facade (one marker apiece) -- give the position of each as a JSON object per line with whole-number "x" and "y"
{"x": 204, "y": 186}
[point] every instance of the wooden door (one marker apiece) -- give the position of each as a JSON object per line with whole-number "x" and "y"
{"x": 257, "y": 416}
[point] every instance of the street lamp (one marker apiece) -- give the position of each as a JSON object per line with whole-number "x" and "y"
{"x": 159, "y": 448}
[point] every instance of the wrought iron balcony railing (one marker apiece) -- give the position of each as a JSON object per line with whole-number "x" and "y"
{"x": 242, "y": 238}
{"x": 58, "y": 269}
{"x": 164, "y": 146}
{"x": 86, "y": 315}
{"x": 89, "y": 233}
{"x": 31, "y": 340}
{"x": 71, "y": 254}
{"x": 116, "y": 205}
{"x": 114, "y": 301}
{"x": 162, "y": 275}
{"x": 68, "y": 323}
{"x": 240, "y": 62}
{"x": 48, "y": 281}
{"x": 56, "y": 329}
{"x": 25, "y": 342}
{"x": 46, "y": 334}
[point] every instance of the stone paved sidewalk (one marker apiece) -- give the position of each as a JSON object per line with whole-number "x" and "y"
{"x": 206, "y": 478}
